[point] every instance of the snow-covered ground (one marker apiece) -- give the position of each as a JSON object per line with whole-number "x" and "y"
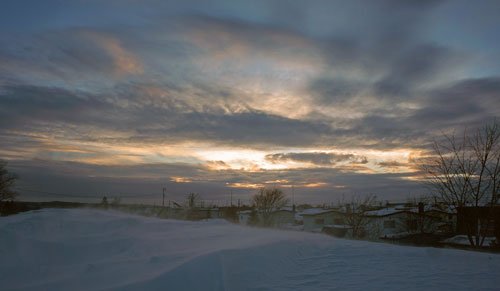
{"x": 56, "y": 249}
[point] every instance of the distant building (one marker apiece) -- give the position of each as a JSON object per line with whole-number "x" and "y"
{"x": 316, "y": 218}
{"x": 244, "y": 216}
{"x": 385, "y": 223}
{"x": 282, "y": 217}
{"x": 277, "y": 218}
{"x": 399, "y": 221}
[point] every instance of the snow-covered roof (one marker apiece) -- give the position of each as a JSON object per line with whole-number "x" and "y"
{"x": 315, "y": 211}
{"x": 245, "y": 212}
{"x": 428, "y": 208}
{"x": 288, "y": 209}
{"x": 451, "y": 209}
{"x": 384, "y": 212}
{"x": 402, "y": 207}
{"x": 338, "y": 226}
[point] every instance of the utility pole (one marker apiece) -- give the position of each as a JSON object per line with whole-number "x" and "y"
{"x": 231, "y": 198}
{"x": 163, "y": 201}
{"x": 293, "y": 198}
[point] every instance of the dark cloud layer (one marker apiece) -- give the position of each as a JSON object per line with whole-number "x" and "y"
{"x": 33, "y": 108}
{"x": 42, "y": 108}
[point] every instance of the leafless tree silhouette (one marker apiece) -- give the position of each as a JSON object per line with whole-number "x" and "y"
{"x": 7, "y": 181}
{"x": 465, "y": 171}
{"x": 268, "y": 200}
{"x": 355, "y": 214}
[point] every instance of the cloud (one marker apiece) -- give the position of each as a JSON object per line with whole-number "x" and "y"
{"x": 27, "y": 105}
{"x": 124, "y": 61}
{"x": 217, "y": 165}
{"x": 316, "y": 158}
{"x": 143, "y": 183}
{"x": 416, "y": 121}
{"x": 147, "y": 115}
{"x": 59, "y": 115}
{"x": 75, "y": 56}
{"x": 392, "y": 164}
{"x": 465, "y": 103}
{"x": 414, "y": 68}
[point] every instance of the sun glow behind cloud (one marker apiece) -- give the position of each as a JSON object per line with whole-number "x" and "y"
{"x": 228, "y": 158}
{"x": 282, "y": 184}
{"x": 214, "y": 158}
{"x": 251, "y": 160}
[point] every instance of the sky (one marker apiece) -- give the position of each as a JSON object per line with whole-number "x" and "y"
{"x": 323, "y": 99}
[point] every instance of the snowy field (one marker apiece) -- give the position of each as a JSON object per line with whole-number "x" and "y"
{"x": 56, "y": 249}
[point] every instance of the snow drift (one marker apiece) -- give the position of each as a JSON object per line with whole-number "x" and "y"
{"x": 56, "y": 249}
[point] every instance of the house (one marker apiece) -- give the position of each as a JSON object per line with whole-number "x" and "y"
{"x": 282, "y": 217}
{"x": 214, "y": 212}
{"x": 277, "y": 218}
{"x": 244, "y": 216}
{"x": 315, "y": 219}
{"x": 433, "y": 219}
{"x": 399, "y": 221}
{"x": 386, "y": 223}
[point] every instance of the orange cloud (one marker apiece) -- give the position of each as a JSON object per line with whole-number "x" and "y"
{"x": 217, "y": 165}
{"x": 125, "y": 62}
{"x": 315, "y": 185}
{"x": 245, "y": 185}
{"x": 177, "y": 179}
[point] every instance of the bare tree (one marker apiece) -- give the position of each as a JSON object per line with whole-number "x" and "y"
{"x": 355, "y": 214}
{"x": 485, "y": 145}
{"x": 268, "y": 200}
{"x": 465, "y": 171}
{"x": 449, "y": 170}
{"x": 7, "y": 181}
{"x": 191, "y": 199}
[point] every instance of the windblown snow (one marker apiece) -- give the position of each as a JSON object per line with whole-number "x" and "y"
{"x": 56, "y": 249}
